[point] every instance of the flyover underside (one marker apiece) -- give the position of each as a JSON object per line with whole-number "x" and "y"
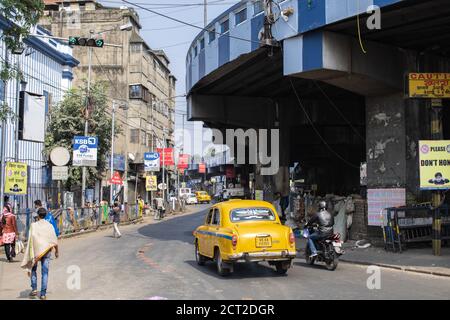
{"x": 347, "y": 107}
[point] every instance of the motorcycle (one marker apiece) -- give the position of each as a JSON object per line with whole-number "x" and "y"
{"x": 328, "y": 250}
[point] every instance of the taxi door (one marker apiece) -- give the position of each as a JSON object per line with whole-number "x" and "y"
{"x": 214, "y": 229}
{"x": 204, "y": 236}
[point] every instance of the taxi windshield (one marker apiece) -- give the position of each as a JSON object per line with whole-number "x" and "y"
{"x": 203, "y": 193}
{"x": 252, "y": 214}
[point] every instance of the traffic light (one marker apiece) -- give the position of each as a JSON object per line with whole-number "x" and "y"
{"x": 86, "y": 42}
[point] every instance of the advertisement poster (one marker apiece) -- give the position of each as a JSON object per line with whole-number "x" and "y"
{"x": 151, "y": 183}
{"x": 380, "y": 199}
{"x": 152, "y": 161}
{"x": 16, "y": 178}
{"x": 201, "y": 168}
{"x": 85, "y": 151}
{"x": 166, "y": 157}
{"x": 434, "y": 164}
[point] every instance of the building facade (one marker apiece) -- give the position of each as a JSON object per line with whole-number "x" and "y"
{"x": 46, "y": 66}
{"x": 139, "y": 80}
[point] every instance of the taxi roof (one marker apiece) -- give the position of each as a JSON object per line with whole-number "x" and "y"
{"x": 238, "y": 203}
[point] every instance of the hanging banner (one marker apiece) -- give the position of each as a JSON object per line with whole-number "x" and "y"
{"x": 434, "y": 163}
{"x": 151, "y": 183}
{"x": 152, "y": 161}
{"x": 429, "y": 85}
{"x": 183, "y": 161}
{"x": 201, "y": 168}
{"x": 16, "y": 178}
{"x": 85, "y": 151}
{"x": 166, "y": 157}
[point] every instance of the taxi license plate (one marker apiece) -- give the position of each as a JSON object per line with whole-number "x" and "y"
{"x": 263, "y": 242}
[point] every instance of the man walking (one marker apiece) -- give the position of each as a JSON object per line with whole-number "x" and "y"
{"x": 115, "y": 213}
{"x": 49, "y": 217}
{"x": 41, "y": 241}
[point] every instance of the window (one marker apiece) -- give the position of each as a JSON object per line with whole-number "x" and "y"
{"x": 225, "y": 26}
{"x": 216, "y": 217}
{"x": 252, "y": 214}
{"x": 258, "y": 7}
{"x": 136, "y": 91}
{"x": 2, "y": 90}
{"x": 202, "y": 44}
{"x": 212, "y": 35}
{"x": 143, "y": 137}
{"x": 241, "y": 16}
{"x": 209, "y": 216}
{"x": 134, "y": 135}
{"x": 135, "y": 47}
{"x": 195, "y": 51}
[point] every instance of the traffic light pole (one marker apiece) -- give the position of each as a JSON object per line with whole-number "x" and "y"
{"x": 111, "y": 167}
{"x": 86, "y": 126}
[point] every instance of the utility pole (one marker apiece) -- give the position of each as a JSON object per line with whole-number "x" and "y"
{"x": 436, "y": 134}
{"x": 205, "y": 12}
{"x": 112, "y": 152}
{"x": 3, "y": 145}
{"x": 164, "y": 166}
{"x": 86, "y": 124}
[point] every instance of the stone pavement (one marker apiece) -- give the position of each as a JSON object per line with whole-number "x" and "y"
{"x": 420, "y": 260}
{"x": 414, "y": 259}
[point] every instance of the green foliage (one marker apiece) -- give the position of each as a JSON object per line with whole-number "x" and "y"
{"x": 25, "y": 14}
{"x": 67, "y": 120}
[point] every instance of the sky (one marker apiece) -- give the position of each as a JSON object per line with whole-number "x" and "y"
{"x": 173, "y": 37}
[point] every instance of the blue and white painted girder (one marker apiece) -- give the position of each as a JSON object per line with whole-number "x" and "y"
{"x": 303, "y": 52}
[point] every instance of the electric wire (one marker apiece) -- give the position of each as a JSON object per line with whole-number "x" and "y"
{"x": 317, "y": 131}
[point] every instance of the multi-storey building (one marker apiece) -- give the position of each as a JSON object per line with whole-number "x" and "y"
{"x": 139, "y": 80}
{"x": 46, "y": 66}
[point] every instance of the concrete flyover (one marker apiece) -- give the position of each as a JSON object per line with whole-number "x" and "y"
{"x": 337, "y": 101}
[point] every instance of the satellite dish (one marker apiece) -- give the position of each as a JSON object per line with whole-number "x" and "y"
{"x": 60, "y": 156}
{"x": 131, "y": 157}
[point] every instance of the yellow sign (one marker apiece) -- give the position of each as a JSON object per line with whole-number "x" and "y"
{"x": 151, "y": 183}
{"x": 16, "y": 178}
{"x": 434, "y": 161}
{"x": 429, "y": 85}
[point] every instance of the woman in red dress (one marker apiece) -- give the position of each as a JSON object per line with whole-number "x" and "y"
{"x": 9, "y": 232}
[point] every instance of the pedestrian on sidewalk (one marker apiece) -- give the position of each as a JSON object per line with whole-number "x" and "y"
{"x": 104, "y": 209}
{"x": 41, "y": 241}
{"x": 49, "y": 217}
{"x": 115, "y": 214}
{"x": 9, "y": 232}
{"x": 141, "y": 205}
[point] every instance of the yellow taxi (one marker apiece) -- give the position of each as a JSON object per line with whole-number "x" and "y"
{"x": 244, "y": 231}
{"x": 203, "y": 197}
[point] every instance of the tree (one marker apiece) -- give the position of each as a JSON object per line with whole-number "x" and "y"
{"x": 67, "y": 120}
{"x": 23, "y": 14}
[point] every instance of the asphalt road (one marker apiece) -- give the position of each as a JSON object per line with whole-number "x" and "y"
{"x": 156, "y": 261}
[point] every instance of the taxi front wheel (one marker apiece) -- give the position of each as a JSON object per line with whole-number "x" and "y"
{"x": 220, "y": 264}
{"x": 201, "y": 260}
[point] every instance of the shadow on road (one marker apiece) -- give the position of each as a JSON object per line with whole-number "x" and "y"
{"x": 241, "y": 270}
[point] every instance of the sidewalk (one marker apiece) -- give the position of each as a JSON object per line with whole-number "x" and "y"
{"x": 420, "y": 260}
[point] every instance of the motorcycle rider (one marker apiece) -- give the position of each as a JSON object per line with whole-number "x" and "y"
{"x": 325, "y": 222}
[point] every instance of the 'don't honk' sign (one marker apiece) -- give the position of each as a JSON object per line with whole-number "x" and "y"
{"x": 434, "y": 163}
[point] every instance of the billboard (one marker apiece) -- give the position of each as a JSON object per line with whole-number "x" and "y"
{"x": 166, "y": 156}
{"x": 32, "y": 117}
{"x": 380, "y": 199}
{"x": 183, "y": 161}
{"x": 434, "y": 164}
{"x": 16, "y": 178}
{"x": 85, "y": 151}
{"x": 151, "y": 183}
{"x": 152, "y": 161}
